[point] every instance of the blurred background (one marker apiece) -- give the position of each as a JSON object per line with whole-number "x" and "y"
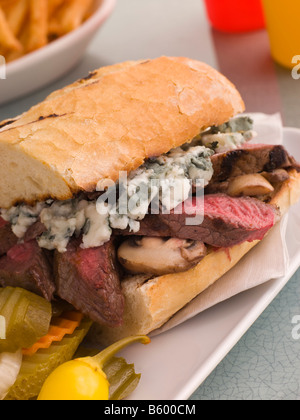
{"x": 231, "y": 35}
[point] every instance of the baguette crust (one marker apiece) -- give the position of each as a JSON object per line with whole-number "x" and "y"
{"x": 110, "y": 122}
{"x": 151, "y": 302}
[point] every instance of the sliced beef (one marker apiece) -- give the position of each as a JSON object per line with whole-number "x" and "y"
{"x": 89, "y": 280}
{"x": 27, "y": 266}
{"x": 251, "y": 159}
{"x": 34, "y": 231}
{"x": 7, "y": 238}
{"x": 227, "y": 221}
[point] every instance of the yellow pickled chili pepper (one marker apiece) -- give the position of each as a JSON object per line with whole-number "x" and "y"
{"x": 84, "y": 379}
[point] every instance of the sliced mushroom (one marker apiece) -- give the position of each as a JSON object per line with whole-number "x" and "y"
{"x": 251, "y": 185}
{"x": 159, "y": 256}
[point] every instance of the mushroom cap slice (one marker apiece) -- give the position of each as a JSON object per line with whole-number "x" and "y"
{"x": 249, "y": 185}
{"x": 160, "y": 256}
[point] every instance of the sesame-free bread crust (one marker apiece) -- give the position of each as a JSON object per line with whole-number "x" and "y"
{"x": 111, "y": 121}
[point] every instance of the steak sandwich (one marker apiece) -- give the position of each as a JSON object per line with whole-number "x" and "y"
{"x": 133, "y": 190}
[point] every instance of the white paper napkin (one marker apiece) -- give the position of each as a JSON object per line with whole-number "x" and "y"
{"x": 269, "y": 128}
{"x": 268, "y": 260}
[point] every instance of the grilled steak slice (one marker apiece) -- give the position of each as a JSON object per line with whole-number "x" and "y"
{"x": 251, "y": 159}
{"x": 89, "y": 280}
{"x": 227, "y": 221}
{"x": 7, "y": 238}
{"x": 27, "y": 266}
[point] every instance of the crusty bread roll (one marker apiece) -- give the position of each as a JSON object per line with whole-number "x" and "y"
{"x": 109, "y": 122}
{"x": 151, "y": 302}
{"x": 112, "y": 121}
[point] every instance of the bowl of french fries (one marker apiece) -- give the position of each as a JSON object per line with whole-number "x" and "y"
{"x": 40, "y": 40}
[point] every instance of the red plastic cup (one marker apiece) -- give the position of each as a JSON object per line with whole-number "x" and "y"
{"x": 235, "y": 15}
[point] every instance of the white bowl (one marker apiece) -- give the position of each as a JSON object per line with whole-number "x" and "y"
{"x": 47, "y": 64}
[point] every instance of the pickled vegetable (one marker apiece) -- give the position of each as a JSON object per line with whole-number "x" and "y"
{"x": 75, "y": 381}
{"x": 84, "y": 379}
{"x": 59, "y": 327}
{"x": 27, "y": 318}
{"x": 35, "y": 369}
{"x": 122, "y": 378}
{"x": 10, "y": 364}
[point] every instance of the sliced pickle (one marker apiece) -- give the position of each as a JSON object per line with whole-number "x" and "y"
{"x": 27, "y": 317}
{"x": 36, "y": 369}
{"x": 121, "y": 376}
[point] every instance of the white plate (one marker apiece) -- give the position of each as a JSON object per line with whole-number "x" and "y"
{"x": 43, "y": 66}
{"x": 176, "y": 363}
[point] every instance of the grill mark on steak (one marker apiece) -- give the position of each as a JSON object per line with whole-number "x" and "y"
{"x": 251, "y": 159}
{"x": 228, "y": 162}
{"x": 89, "y": 280}
{"x": 278, "y": 158}
{"x": 27, "y": 266}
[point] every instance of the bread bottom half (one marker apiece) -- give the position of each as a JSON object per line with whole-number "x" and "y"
{"x": 151, "y": 302}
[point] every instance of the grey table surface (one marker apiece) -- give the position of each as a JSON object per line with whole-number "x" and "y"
{"x": 265, "y": 364}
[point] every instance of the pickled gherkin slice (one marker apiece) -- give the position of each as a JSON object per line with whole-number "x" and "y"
{"x": 36, "y": 369}
{"x": 121, "y": 376}
{"x": 27, "y": 318}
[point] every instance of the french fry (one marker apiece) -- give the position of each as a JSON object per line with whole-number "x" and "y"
{"x": 24, "y": 39}
{"x": 16, "y": 15}
{"x": 38, "y": 24}
{"x": 53, "y": 6}
{"x": 14, "y": 55}
{"x": 27, "y": 25}
{"x": 4, "y": 4}
{"x": 7, "y": 38}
